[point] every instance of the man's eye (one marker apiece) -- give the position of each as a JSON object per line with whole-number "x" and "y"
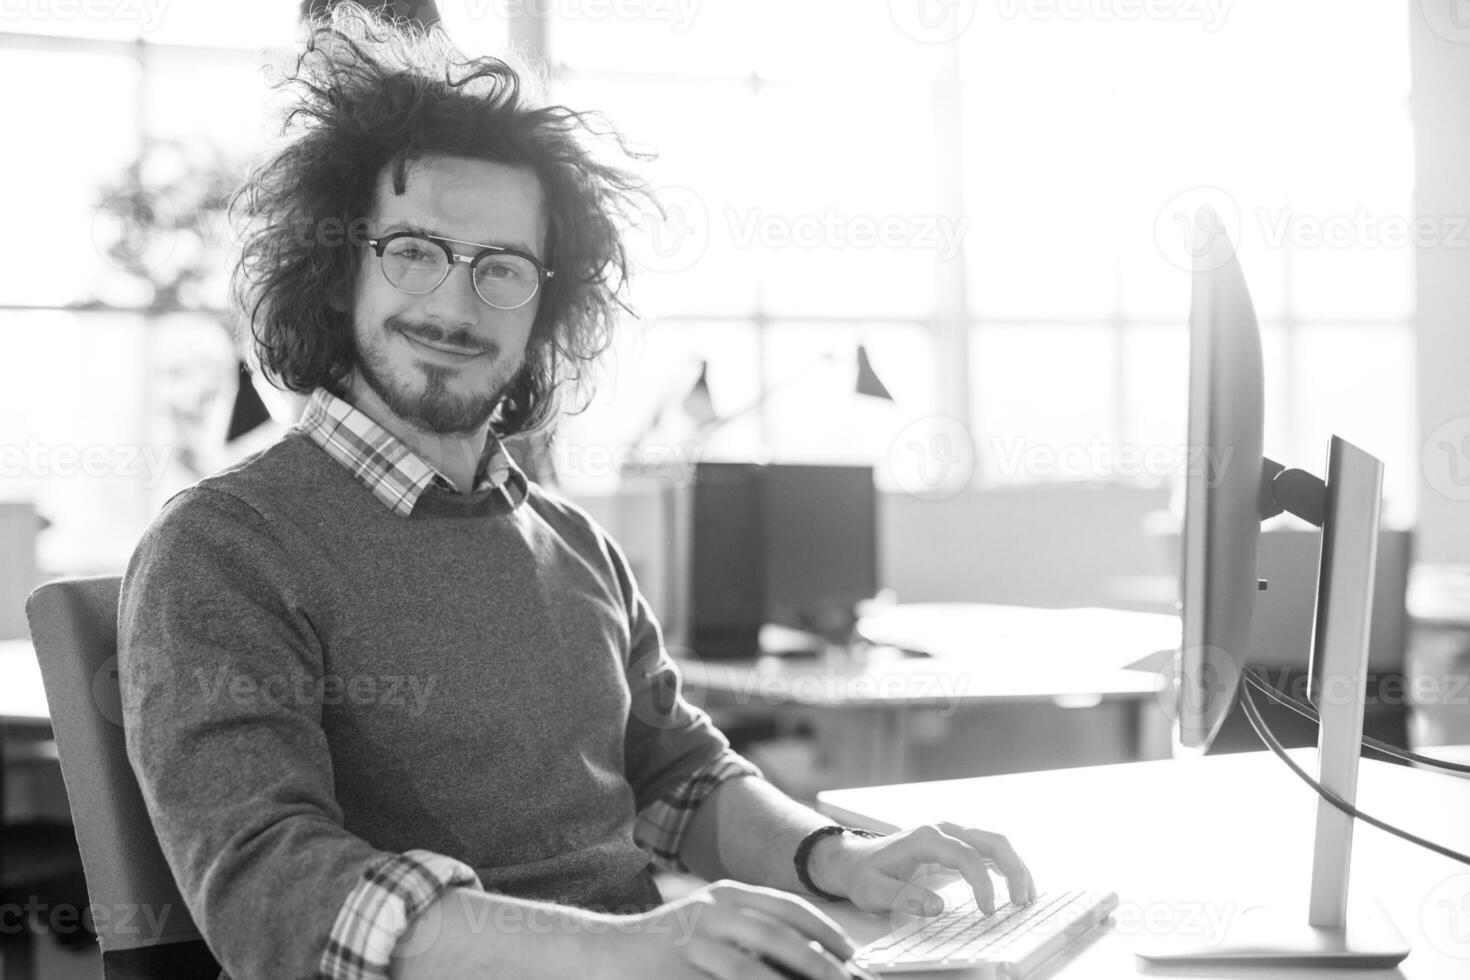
{"x": 498, "y": 270}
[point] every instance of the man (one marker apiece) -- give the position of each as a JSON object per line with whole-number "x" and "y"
{"x": 390, "y": 703}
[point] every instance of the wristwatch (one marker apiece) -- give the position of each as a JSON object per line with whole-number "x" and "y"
{"x": 804, "y": 853}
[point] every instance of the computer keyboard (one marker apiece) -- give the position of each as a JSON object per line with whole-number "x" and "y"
{"x": 1011, "y": 943}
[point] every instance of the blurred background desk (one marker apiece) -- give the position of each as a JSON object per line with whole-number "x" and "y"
{"x": 1006, "y": 689}
{"x": 1439, "y": 615}
{"x": 32, "y": 786}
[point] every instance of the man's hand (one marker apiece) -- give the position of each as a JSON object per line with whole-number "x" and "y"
{"x": 878, "y": 874}
{"x": 721, "y": 931}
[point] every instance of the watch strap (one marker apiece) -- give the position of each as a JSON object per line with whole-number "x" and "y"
{"x": 804, "y": 853}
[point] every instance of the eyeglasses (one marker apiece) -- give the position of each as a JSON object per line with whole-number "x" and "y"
{"x": 505, "y": 278}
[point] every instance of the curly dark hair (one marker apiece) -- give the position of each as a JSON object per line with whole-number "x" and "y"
{"x": 370, "y": 93}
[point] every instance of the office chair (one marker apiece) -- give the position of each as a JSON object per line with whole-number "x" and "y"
{"x": 73, "y": 625}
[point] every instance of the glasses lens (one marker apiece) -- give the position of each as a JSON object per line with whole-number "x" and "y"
{"x": 414, "y": 265}
{"x": 506, "y": 281}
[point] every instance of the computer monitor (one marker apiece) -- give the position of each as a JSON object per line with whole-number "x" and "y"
{"x": 772, "y": 543}
{"x": 1229, "y": 490}
{"x": 1222, "y": 522}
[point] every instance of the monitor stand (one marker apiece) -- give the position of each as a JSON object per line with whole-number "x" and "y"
{"x": 1346, "y": 506}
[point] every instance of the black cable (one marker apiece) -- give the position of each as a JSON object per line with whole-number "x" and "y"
{"x": 1387, "y": 748}
{"x": 1248, "y": 703}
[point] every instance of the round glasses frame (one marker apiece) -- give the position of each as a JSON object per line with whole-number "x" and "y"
{"x": 380, "y": 245}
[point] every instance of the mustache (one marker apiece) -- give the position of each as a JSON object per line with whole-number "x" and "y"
{"x": 453, "y": 338}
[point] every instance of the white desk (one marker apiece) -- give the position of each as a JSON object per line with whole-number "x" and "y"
{"x": 1182, "y": 840}
{"x": 1019, "y": 672}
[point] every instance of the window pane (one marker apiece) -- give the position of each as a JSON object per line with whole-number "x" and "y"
{"x": 72, "y": 424}
{"x": 1083, "y": 132}
{"x": 56, "y": 186}
{"x": 478, "y": 27}
{"x": 208, "y": 97}
{"x": 1156, "y": 398}
{"x": 814, "y": 412}
{"x": 256, "y": 25}
{"x": 643, "y": 399}
{"x": 703, "y": 134}
{"x": 845, "y": 222}
{"x": 1357, "y": 382}
{"x": 839, "y": 41}
{"x": 1044, "y": 401}
{"x": 103, "y": 417}
{"x": 657, "y": 36}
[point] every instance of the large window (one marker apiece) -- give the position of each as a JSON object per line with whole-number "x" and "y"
{"x": 987, "y": 203}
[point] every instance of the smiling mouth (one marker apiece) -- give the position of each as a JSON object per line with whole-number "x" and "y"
{"x": 444, "y": 348}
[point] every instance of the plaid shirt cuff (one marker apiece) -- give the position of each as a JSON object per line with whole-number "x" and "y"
{"x": 380, "y": 909}
{"x": 662, "y": 824}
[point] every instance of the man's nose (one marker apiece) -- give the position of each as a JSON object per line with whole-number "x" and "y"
{"x": 455, "y": 299}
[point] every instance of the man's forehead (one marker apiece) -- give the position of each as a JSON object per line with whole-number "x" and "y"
{"x": 467, "y": 200}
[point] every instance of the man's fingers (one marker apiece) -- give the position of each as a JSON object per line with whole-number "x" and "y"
{"x": 775, "y": 941}
{"x": 995, "y": 846}
{"x": 721, "y": 960}
{"x": 883, "y": 893}
{"x": 794, "y": 912}
{"x": 959, "y": 855}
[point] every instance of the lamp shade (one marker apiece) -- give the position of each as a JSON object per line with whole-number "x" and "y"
{"x": 249, "y": 412}
{"x": 868, "y": 382}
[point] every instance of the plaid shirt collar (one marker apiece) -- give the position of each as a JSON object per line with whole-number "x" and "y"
{"x": 385, "y": 465}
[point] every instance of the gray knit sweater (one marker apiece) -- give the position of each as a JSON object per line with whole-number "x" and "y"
{"x": 311, "y": 682}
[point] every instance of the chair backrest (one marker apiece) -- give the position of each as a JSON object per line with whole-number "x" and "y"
{"x": 141, "y": 922}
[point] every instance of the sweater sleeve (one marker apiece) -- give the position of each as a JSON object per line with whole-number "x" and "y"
{"x": 221, "y": 669}
{"x": 674, "y": 755}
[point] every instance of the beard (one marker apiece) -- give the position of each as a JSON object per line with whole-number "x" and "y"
{"x": 431, "y": 406}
